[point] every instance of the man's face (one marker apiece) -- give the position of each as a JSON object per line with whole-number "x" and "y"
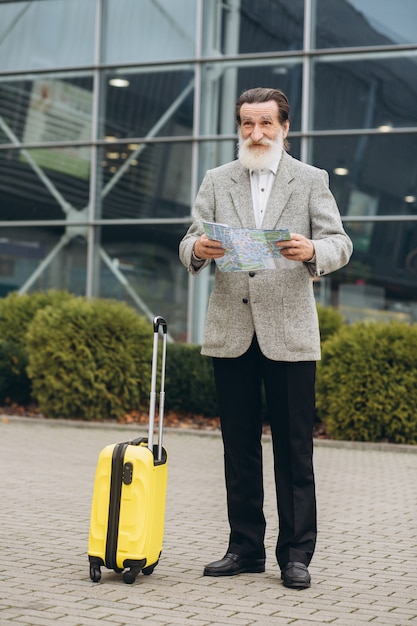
{"x": 259, "y": 121}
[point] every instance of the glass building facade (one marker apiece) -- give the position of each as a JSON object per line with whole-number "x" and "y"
{"x": 111, "y": 111}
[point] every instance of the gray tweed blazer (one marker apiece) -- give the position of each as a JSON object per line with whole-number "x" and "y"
{"x": 278, "y": 305}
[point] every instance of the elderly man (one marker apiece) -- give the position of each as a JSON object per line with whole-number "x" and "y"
{"x": 262, "y": 329}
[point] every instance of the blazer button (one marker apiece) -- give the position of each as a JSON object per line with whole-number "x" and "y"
{"x": 251, "y": 274}
{"x": 245, "y": 300}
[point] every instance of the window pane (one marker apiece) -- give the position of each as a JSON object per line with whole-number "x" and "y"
{"x": 145, "y": 180}
{"x": 23, "y": 250}
{"x": 366, "y": 92}
{"x": 341, "y": 23}
{"x": 47, "y": 108}
{"x": 45, "y": 33}
{"x": 380, "y": 281}
{"x": 149, "y": 103}
{"x": 222, "y": 84}
{"x": 215, "y": 153}
{"x": 370, "y": 174}
{"x": 149, "y": 31}
{"x": 248, "y": 26}
{"x": 146, "y": 257}
{"x": 44, "y": 184}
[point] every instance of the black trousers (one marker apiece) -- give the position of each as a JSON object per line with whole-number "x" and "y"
{"x": 290, "y": 400}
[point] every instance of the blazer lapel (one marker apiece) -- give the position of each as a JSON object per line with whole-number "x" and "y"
{"x": 280, "y": 193}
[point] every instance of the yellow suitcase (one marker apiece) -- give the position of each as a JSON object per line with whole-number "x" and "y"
{"x": 128, "y": 505}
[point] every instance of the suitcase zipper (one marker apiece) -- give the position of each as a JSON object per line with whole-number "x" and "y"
{"x": 114, "y": 504}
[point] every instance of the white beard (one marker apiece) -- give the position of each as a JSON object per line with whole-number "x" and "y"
{"x": 254, "y": 160}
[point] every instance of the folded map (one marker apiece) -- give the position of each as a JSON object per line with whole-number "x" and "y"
{"x": 248, "y": 248}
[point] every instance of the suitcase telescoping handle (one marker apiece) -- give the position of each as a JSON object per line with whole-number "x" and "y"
{"x": 158, "y": 322}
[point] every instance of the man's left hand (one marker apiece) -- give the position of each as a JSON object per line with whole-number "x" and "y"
{"x": 298, "y": 248}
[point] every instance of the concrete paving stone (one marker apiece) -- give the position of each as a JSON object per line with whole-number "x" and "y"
{"x": 388, "y": 620}
{"x": 239, "y": 619}
{"x": 404, "y": 598}
{"x": 12, "y": 614}
{"x": 264, "y": 609}
{"x": 404, "y": 613}
{"x": 175, "y": 619}
{"x": 386, "y": 598}
{"x": 274, "y": 621}
{"x": 365, "y": 557}
{"x": 75, "y": 621}
{"x": 353, "y": 619}
{"x": 311, "y": 617}
{"x": 35, "y": 620}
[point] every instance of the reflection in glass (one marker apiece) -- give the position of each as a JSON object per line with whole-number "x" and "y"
{"x": 34, "y": 33}
{"x": 48, "y": 108}
{"x": 44, "y": 184}
{"x": 139, "y": 264}
{"x": 38, "y": 259}
{"x": 148, "y": 30}
{"x": 145, "y": 180}
{"x": 342, "y": 23}
{"x": 224, "y": 82}
{"x": 148, "y": 103}
{"x": 248, "y": 26}
{"x": 379, "y": 282}
{"x": 295, "y": 146}
{"x": 215, "y": 153}
{"x": 381, "y": 167}
{"x": 365, "y": 91}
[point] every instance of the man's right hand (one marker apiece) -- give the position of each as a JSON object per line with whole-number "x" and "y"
{"x": 205, "y": 248}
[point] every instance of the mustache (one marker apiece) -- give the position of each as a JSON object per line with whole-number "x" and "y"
{"x": 248, "y": 142}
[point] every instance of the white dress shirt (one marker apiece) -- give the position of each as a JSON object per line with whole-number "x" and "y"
{"x": 261, "y": 182}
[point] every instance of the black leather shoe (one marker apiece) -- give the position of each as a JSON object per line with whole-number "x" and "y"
{"x": 232, "y": 564}
{"x": 295, "y": 575}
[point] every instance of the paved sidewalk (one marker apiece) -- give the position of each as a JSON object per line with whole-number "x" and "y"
{"x": 364, "y": 570}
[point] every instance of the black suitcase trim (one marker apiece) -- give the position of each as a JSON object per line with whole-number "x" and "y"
{"x": 114, "y": 505}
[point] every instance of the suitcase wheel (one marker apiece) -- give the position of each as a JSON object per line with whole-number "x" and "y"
{"x": 129, "y": 576}
{"x": 95, "y": 573}
{"x": 147, "y": 571}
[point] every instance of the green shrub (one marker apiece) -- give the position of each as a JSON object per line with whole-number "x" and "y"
{"x": 190, "y": 381}
{"x": 367, "y": 383}
{"x": 89, "y": 359}
{"x": 17, "y": 311}
{"x": 330, "y": 321}
{"x": 14, "y": 381}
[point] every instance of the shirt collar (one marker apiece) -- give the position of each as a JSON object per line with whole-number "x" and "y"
{"x": 272, "y": 168}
